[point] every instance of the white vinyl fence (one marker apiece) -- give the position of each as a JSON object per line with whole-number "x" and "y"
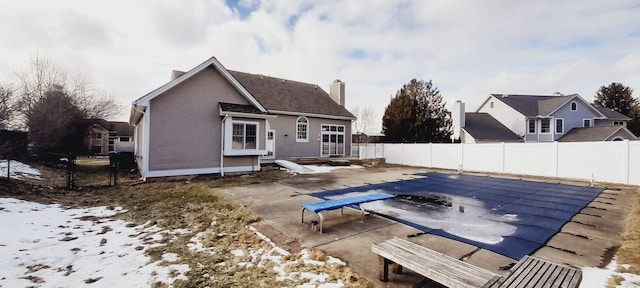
{"x": 367, "y": 151}
{"x": 616, "y": 162}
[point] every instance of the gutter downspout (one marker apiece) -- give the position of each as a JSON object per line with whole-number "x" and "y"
{"x": 222, "y": 146}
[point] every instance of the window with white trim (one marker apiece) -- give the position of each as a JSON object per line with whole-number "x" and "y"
{"x": 586, "y": 122}
{"x": 559, "y": 125}
{"x": 574, "y": 106}
{"x": 302, "y": 129}
{"x": 618, "y": 123}
{"x": 532, "y": 126}
{"x": 332, "y": 140}
{"x": 545, "y": 125}
{"x": 244, "y": 136}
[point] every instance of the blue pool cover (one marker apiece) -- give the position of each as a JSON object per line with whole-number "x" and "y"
{"x": 507, "y": 216}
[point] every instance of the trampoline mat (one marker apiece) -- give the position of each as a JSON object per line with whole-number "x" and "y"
{"x": 511, "y": 217}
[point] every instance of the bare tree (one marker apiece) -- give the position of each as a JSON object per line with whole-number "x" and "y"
{"x": 6, "y": 105}
{"x": 364, "y": 121}
{"x": 43, "y": 75}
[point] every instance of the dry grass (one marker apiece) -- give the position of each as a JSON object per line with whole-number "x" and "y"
{"x": 194, "y": 205}
{"x": 629, "y": 251}
{"x": 615, "y": 281}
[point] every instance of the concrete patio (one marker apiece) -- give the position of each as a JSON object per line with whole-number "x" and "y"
{"x": 589, "y": 240}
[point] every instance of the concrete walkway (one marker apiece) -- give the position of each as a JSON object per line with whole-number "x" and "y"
{"x": 590, "y": 239}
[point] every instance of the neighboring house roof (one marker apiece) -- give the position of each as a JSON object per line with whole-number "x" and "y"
{"x": 280, "y": 95}
{"x": 538, "y": 105}
{"x": 120, "y": 128}
{"x": 598, "y": 133}
{"x": 611, "y": 114}
{"x": 484, "y": 128}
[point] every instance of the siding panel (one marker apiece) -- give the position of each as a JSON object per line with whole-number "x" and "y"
{"x": 185, "y": 126}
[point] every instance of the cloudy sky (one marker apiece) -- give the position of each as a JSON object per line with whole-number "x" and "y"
{"x": 469, "y": 49}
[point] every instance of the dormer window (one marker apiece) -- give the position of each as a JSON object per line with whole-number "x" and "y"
{"x": 574, "y": 106}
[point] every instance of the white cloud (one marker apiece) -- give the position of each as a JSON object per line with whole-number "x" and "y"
{"x": 468, "y": 48}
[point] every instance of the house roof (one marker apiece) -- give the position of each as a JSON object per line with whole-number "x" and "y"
{"x": 611, "y": 114}
{"x": 278, "y": 96}
{"x": 281, "y": 95}
{"x": 598, "y": 133}
{"x": 537, "y": 105}
{"x": 239, "y": 108}
{"x": 138, "y": 107}
{"x": 484, "y": 128}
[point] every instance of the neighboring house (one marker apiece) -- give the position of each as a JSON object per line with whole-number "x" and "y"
{"x": 211, "y": 120}
{"x": 538, "y": 118}
{"x": 369, "y": 137}
{"x": 104, "y": 137}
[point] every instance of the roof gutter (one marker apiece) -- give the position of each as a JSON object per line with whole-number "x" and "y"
{"x": 312, "y": 115}
{"x": 136, "y": 114}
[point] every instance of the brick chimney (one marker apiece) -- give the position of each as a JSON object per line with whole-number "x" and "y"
{"x": 336, "y": 91}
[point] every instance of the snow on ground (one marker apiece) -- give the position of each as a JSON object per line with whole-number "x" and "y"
{"x": 18, "y": 170}
{"x": 311, "y": 169}
{"x": 49, "y": 246}
{"x": 596, "y": 278}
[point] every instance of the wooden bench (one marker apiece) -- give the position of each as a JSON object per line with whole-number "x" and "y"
{"x": 318, "y": 207}
{"x": 436, "y": 266}
{"x": 529, "y": 272}
{"x": 534, "y": 272}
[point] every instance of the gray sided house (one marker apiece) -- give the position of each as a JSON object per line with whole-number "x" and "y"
{"x": 211, "y": 120}
{"x": 538, "y": 118}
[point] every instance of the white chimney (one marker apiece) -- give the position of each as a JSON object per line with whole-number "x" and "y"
{"x": 336, "y": 91}
{"x": 457, "y": 117}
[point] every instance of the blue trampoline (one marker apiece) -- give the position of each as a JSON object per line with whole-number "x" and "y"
{"x": 507, "y": 216}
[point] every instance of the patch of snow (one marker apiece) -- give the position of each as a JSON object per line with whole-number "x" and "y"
{"x": 18, "y": 170}
{"x": 292, "y": 167}
{"x": 266, "y": 239}
{"x": 465, "y": 224}
{"x": 315, "y": 169}
{"x": 357, "y": 194}
{"x": 311, "y": 169}
{"x": 195, "y": 244}
{"x": 237, "y": 252}
{"x": 593, "y": 277}
{"x": 337, "y": 261}
{"x": 170, "y": 257}
{"x": 71, "y": 247}
{"x": 340, "y": 284}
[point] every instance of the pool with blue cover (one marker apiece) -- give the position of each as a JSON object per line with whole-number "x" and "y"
{"x": 507, "y": 216}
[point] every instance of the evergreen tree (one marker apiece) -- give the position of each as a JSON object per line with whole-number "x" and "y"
{"x": 56, "y": 123}
{"x": 619, "y": 97}
{"x": 417, "y": 114}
